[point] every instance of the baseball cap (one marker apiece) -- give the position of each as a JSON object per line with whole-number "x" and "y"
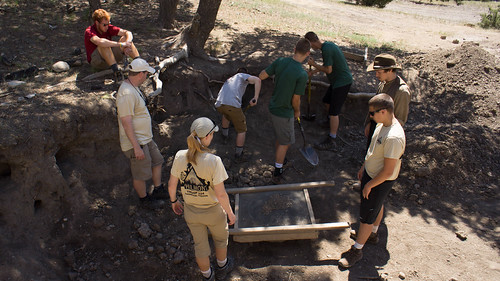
{"x": 204, "y": 126}
{"x": 383, "y": 61}
{"x": 138, "y": 65}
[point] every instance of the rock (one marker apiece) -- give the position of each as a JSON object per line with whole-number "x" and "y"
{"x": 413, "y": 197}
{"x": 60, "y": 66}
{"x": 384, "y": 276}
{"x": 461, "y": 235}
{"x": 98, "y": 222}
{"x": 133, "y": 244}
{"x": 423, "y": 172}
{"x": 159, "y": 236}
{"x": 455, "y": 41}
{"x": 267, "y": 174}
{"x": 163, "y": 256}
{"x": 156, "y": 227}
{"x": 144, "y": 230}
{"x": 76, "y": 52}
{"x": 420, "y": 202}
{"x": 151, "y": 249}
{"x": 402, "y": 275}
{"x": 178, "y": 257}
{"x": 451, "y": 63}
{"x": 42, "y": 38}
{"x": 443, "y": 37}
{"x": 15, "y": 83}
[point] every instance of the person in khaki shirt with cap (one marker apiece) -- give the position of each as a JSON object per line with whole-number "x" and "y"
{"x": 136, "y": 135}
{"x": 377, "y": 174}
{"x": 206, "y": 204}
{"x": 385, "y": 67}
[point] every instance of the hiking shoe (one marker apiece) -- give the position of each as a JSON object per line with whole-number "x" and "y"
{"x": 373, "y": 239}
{"x": 223, "y": 271}
{"x": 328, "y": 144}
{"x": 351, "y": 257}
{"x": 277, "y": 175}
{"x": 212, "y": 276}
{"x": 149, "y": 203}
{"x": 241, "y": 158}
{"x": 160, "y": 193}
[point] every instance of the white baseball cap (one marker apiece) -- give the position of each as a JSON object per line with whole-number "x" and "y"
{"x": 203, "y": 126}
{"x": 138, "y": 65}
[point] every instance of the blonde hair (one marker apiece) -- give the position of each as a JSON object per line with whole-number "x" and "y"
{"x": 100, "y": 14}
{"x": 195, "y": 147}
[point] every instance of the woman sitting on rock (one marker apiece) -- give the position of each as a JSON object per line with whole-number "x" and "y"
{"x": 206, "y": 203}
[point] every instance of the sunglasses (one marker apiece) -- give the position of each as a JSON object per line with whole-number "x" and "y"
{"x": 215, "y": 125}
{"x": 105, "y": 24}
{"x": 372, "y": 113}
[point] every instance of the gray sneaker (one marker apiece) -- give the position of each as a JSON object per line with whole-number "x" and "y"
{"x": 351, "y": 257}
{"x": 223, "y": 271}
{"x": 372, "y": 239}
{"x": 328, "y": 144}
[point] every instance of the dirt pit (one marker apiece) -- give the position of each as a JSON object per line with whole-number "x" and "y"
{"x": 68, "y": 210}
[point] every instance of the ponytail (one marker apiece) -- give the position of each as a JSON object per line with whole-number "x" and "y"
{"x": 194, "y": 147}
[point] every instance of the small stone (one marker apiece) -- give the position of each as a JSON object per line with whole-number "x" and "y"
{"x": 151, "y": 249}
{"x": 384, "y": 276}
{"x": 413, "y": 197}
{"x": 461, "y": 235}
{"x": 455, "y": 41}
{"x": 163, "y": 256}
{"x": 15, "y": 83}
{"x": 144, "y": 230}
{"x": 420, "y": 202}
{"x": 159, "y": 236}
{"x": 42, "y": 38}
{"x": 133, "y": 244}
{"x": 402, "y": 275}
{"x": 443, "y": 37}
{"x": 98, "y": 222}
{"x": 423, "y": 172}
{"x": 60, "y": 66}
{"x": 267, "y": 174}
{"x": 178, "y": 257}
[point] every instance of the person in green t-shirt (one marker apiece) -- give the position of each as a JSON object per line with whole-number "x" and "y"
{"x": 336, "y": 69}
{"x": 290, "y": 83}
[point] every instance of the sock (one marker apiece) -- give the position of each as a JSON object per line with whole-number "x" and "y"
{"x": 278, "y": 165}
{"x": 239, "y": 150}
{"x": 114, "y": 67}
{"x": 207, "y": 273}
{"x": 222, "y": 263}
{"x": 225, "y": 132}
{"x": 358, "y": 246}
{"x": 332, "y": 135}
{"x": 375, "y": 228}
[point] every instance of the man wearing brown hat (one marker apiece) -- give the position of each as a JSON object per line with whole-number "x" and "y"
{"x": 385, "y": 66}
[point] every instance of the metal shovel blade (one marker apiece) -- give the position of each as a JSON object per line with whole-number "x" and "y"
{"x": 310, "y": 154}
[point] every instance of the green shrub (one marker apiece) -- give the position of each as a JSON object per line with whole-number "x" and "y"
{"x": 491, "y": 20}
{"x": 377, "y": 3}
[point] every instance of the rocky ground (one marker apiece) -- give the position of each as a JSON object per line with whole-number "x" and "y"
{"x": 68, "y": 211}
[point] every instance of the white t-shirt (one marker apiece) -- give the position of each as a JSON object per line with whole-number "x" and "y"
{"x": 233, "y": 90}
{"x": 387, "y": 142}
{"x": 130, "y": 102}
{"x": 197, "y": 181}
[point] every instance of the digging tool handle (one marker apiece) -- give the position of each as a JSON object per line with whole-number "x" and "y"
{"x": 302, "y": 131}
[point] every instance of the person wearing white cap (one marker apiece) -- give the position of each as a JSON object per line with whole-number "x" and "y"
{"x": 136, "y": 134}
{"x": 206, "y": 203}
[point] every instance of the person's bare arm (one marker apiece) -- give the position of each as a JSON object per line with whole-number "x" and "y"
{"x": 128, "y": 126}
{"x": 172, "y": 191}
{"x": 389, "y": 166}
{"x": 322, "y": 68}
{"x": 221, "y": 194}
{"x": 257, "y": 82}
{"x": 296, "y": 106}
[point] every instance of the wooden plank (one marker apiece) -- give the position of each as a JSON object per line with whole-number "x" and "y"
{"x": 275, "y": 237}
{"x": 353, "y": 56}
{"x": 291, "y": 186}
{"x": 309, "y": 206}
{"x": 288, "y": 228}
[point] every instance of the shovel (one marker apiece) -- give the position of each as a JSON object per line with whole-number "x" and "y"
{"x": 309, "y": 116}
{"x": 307, "y": 150}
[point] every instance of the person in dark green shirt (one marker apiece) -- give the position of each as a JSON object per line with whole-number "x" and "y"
{"x": 290, "y": 83}
{"x": 336, "y": 69}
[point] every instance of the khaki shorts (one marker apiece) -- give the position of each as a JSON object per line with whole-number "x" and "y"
{"x": 141, "y": 169}
{"x": 283, "y": 129}
{"x": 199, "y": 220}
{"x": 97, "y": 62}
{"x": 235, "y": 115}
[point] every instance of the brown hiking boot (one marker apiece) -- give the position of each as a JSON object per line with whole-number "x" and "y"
{"x": 373, "y": 239}
{"x": 351, "y": 257}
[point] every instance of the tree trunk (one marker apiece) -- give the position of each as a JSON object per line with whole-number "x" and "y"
{"x": 168, "y": 11}
{"x": 94, "y": 5}
{"x": 196, "y": 34}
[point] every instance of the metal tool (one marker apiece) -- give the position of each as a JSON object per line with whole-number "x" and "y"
{"x": 307, "y": 150}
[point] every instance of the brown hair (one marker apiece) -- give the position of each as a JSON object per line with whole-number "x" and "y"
{"x": 195, "y": 147}
{"x": 382, "y": 101}
{"x": 100, "y": 14}
{"x": 303, "y": 46}
{"x": 311, "y": 36}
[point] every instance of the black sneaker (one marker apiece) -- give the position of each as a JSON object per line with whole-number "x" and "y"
{"x": 211, "y": 278}
{"x": 277, "y": 175}
{"x": 328, "y": 144}
{"x": 160, "y": 193}
{"x": 351, "y": 257}
{"x": 223, "y": 271}
{"x": 241, "y": 158}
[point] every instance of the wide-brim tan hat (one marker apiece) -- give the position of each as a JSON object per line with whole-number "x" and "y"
{"x": 383, "y": 61}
